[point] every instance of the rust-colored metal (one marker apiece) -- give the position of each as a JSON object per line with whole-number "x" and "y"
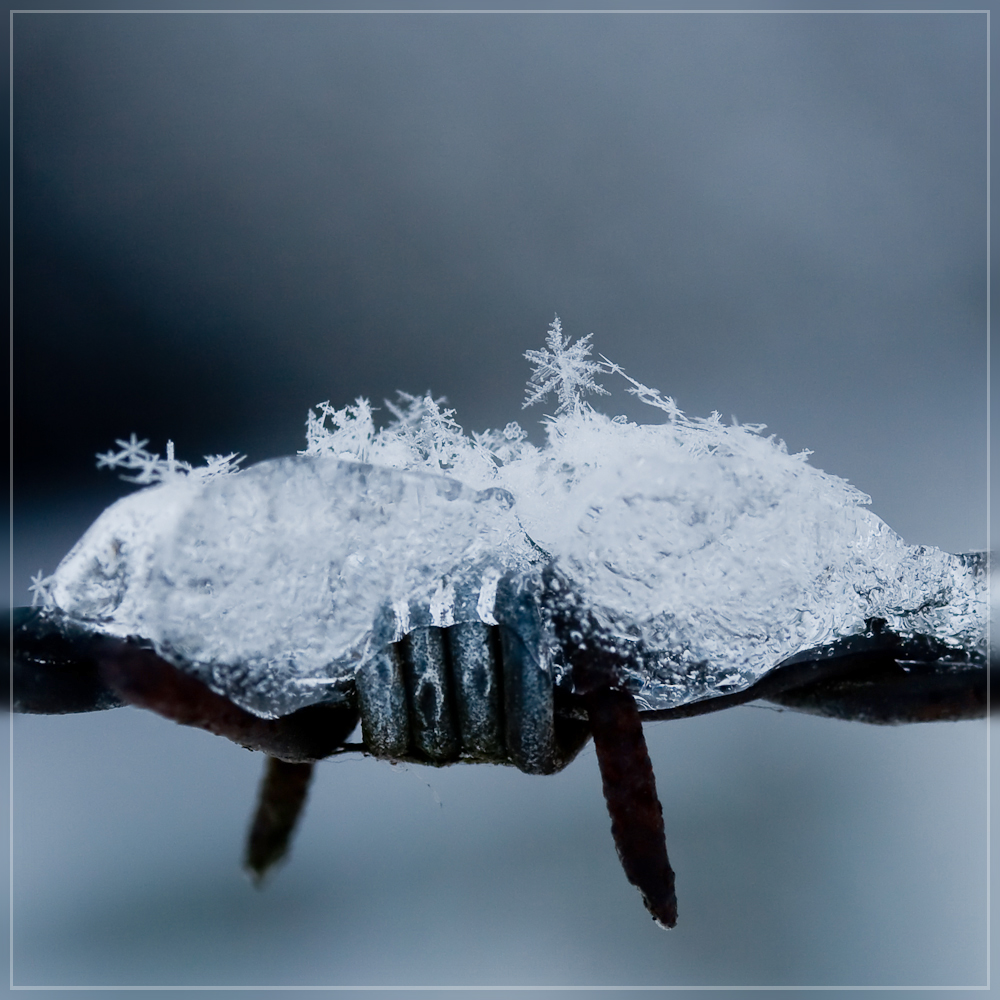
{"x": 142, "y": 678}
{"x": 630, "y": 792}
{"x": 283, "y": 792}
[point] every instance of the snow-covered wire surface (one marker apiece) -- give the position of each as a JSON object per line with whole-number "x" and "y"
{"x": 709, "y": 545}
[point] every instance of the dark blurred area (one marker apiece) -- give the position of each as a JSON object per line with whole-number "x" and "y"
{"x": 221, "y": 220}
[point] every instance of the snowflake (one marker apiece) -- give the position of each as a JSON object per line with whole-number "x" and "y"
{"x": 150, "y": 468}
{"x": 562, "y": 368}
{"x": 132, "y": 451}
{"x": 41, "y": 590}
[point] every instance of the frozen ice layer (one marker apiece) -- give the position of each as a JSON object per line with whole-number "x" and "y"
{"x": 266, "y": 583}
{"x": 706, "y": 548}
{"x": 720, "y": 555}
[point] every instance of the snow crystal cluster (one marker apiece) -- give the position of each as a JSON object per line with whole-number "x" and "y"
{"x": 707, "y": 545}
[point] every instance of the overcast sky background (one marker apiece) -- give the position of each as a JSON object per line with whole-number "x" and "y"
{"x": 222, "y": 220}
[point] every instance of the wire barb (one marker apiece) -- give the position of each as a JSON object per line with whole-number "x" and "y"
{"x": 283, "y": 793}
{"x": 630, "y": 793}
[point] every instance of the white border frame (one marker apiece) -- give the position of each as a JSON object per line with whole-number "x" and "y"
{"x": 495, "y": 11}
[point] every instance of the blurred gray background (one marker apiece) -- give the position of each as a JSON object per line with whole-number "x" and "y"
{"x": 221, "y": 220}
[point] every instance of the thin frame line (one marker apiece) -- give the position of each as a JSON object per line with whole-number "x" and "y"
{"x": 487, "y": 10}
{"x": 506, "y": 989}
{"x": 10, "y": 472}
{"x": 494, "y": 11}
{"x": 989, "y": 545}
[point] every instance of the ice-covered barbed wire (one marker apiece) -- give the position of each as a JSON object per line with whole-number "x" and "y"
{"x": 150, "y": 468}
{"x": 704, "y": 539}
{"x": 562, "y": 368}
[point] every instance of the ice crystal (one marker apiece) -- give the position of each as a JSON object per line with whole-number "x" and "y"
{"x": 707, "y": 545}
{"x": 423, "y": 435}
{"x": 430, "y": 433}
{"x": 41, "y": 590}
{"x": 562, "y": 368}
{"x": 150, "y": 468}
{"x": 348, "y": 433}
{"x": 651, "y": 397}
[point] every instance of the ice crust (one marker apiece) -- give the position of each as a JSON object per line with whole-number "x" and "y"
{"x": 707, "y": 545}
{"x": 266, "y": 583}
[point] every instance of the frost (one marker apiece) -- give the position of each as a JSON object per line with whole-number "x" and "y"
{"x": 423, "y": 435}
{"x": 651, "y": 397}
{"x": 706, "y": 546}
{"x": 564, "y": 369}
{"x": 432, "y": 437}
{"x": 506, "y": 446}
{"x": 150, "y": 468}
{"x": 350, "y": 433}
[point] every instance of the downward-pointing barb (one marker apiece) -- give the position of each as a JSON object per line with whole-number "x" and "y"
{"x": 630, "y": 792}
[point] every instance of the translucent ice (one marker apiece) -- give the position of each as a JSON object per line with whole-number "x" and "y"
{"x": 709, "y": 546}
{"x": 266, "y": 582}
